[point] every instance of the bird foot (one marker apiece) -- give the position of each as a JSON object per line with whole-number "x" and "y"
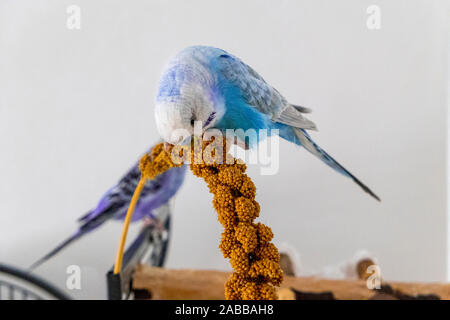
{"x": 149, "y": 221}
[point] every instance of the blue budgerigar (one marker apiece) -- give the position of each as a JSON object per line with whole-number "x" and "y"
{"x": 114, "y": 203}
{"x": 210, "y": 85}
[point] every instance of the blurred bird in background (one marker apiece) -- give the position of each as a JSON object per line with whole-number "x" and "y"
{"x": 209, "y": 86}
{"x": 114, "y": 203}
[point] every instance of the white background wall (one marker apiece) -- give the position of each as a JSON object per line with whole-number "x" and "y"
{"x": 76, "y": 110}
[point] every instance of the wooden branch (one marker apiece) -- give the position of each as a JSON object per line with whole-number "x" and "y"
{"x": 186, "y": 284}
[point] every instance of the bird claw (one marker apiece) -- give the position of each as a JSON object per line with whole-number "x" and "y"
{"x": 243, "y": 144}
{"x": 149, "y": 221}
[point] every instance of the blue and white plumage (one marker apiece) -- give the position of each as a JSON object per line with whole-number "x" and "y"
{"x": 115, "y": 202}
{"x": 212, "y": 86}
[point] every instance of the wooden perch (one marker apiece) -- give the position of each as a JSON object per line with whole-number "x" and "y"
{"x": 186, "y": 284}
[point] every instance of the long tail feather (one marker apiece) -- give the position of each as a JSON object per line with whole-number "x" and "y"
{"x": 65, "y": 243}
{"x": 306, "y": 141}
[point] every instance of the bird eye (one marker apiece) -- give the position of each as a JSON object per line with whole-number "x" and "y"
{"x": 192, "y": 121}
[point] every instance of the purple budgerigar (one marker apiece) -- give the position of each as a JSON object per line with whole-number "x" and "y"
{"x": 114, "y": 203}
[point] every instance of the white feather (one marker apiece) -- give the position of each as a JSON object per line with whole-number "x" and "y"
{"x": 294, "y": 118}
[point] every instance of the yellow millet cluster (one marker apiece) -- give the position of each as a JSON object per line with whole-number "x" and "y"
{"x": 246, "y": 244}
{"x": 155, "y": 163}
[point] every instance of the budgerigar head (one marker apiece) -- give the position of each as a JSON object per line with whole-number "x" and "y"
{"x": 182, "y": 106}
